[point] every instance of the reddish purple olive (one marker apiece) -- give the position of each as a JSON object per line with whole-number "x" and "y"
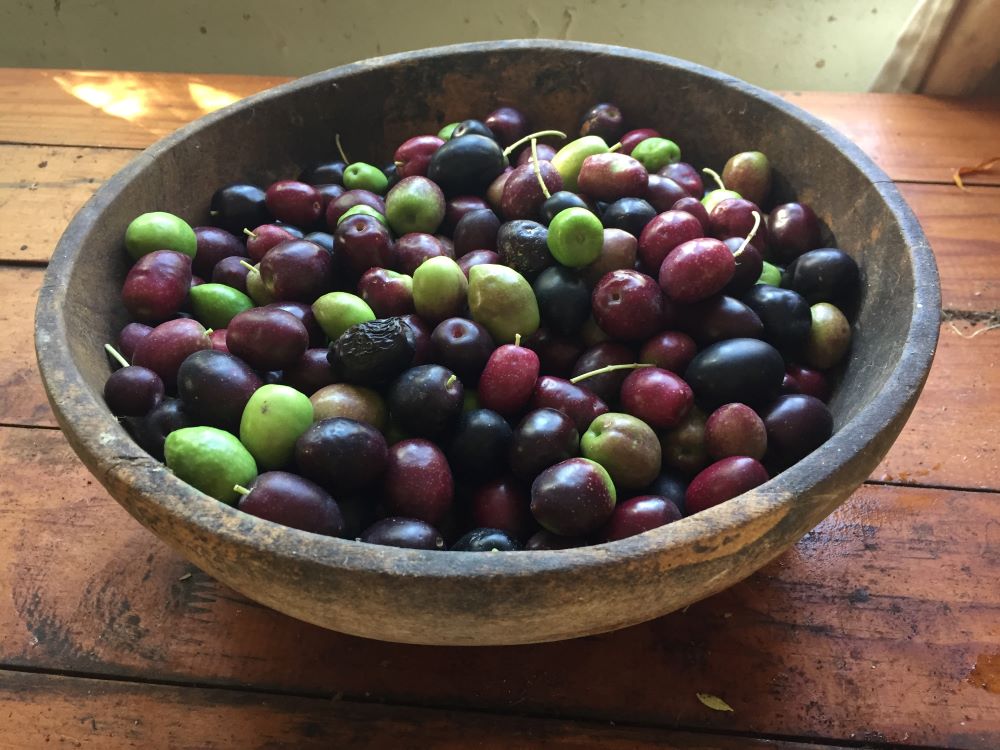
{"x": 579, "y": 404}
{"x": 629, "y": 305}
{"x": 294, "y": 203}
{"x": 573, "y": 498}
{"x": 417, "y": 481}
{"x": 157, "y": 286}
{"x": 696, "y": 270}
{"x": 658, "y": 397}
{"x": 408, "y": 533}
{"x": 639, "y": 514}
{"x": 793, "y": 229}
{"x": 502, "y": 504}
{"x": 267, "y": 338}
{"x": 662, "y": 234}
{"x": 723, "y": 480}
{"x": 292, "y": 501}
{"x": 133, "y": 391}
{"x": 735, "y": 430}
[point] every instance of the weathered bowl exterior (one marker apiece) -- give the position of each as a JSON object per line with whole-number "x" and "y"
{"x": 469, "y": 598}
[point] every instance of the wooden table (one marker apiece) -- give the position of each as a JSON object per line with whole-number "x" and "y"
{"x": 881, "y": 627}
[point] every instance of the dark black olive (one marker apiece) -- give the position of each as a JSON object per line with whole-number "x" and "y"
{"x": 748, "y": 371}
{"x": 784, "y": 313}
{"x": 472, "y": 127}
{"x": 486, "y": 540}
{"x": 825, "y": 275}
{"x": 466, "y": 165}
{"x": 479, "y": 446}
{"x": 560, "y": 202}
{"x": 523, "y": 245}
{"x": 629, "y": 214}
{"x": 563, "y": 300}
{"x": 330, "y": 173}
{"x": 373, "y": 353}
{"x": 239, "y": 207}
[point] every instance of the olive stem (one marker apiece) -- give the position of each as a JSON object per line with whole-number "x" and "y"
{"x": 247, "y": 265}
{"x": 615, "y": 147}
{"x": 608, "y": 368}
{"x": 715, "y": 176}
{"x": 451, "y": 380}
{"x": 116, "y": 355}
{"x": 240, "y": 489}
{"x": 753, "y": 231}
{"x": 520, "y": 141}
{"x": 340, "y": 149}
{"x": 517, "y": 339}
{"x": 249, "y": 233}
{"x": 538, "y": 168}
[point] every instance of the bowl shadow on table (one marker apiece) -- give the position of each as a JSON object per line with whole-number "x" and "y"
{"x": 464, "y": 598}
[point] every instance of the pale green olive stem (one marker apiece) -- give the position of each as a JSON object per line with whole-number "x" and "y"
{"x": 615, "y": 147}
{"x": 340, "y": 149}
{"x": 450, "y": 380}
{"x": 249, "y": 233}
{"x": 521, "y": 141}
{"x": 240, "y": 489}
{"x": 116, "y": 354}
{"x": 247, "y": 265}
{"x": 715, "y": 176}
{"x": 609, "y": 368}
{"x": 517, "y": 339}
{"x": 209, "y": 331}
{"x": 538, "y": 168}
{"x": 753, "y": 231}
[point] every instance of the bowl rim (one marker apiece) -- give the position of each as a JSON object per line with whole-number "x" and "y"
{"x": 125, "y": 462}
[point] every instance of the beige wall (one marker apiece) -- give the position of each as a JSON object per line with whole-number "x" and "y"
{"x": 809, "y": 44}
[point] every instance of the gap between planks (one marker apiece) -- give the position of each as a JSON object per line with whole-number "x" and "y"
{"x": 373, "y": 710}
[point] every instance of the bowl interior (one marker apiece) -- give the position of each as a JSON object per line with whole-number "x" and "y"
{"x": 376, "y": 105}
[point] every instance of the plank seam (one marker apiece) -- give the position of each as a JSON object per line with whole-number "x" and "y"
{"x": 360, "y": 700}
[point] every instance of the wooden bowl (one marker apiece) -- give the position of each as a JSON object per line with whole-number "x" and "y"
{"x": 469, "y": 598}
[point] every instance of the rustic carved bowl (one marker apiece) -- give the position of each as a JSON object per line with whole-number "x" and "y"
{"x": 469, "y": 598}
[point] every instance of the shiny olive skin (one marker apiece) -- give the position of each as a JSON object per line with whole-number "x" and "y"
{"x": 466, "y": 165}
{"x": 796, "y": 425}
{"x": 486, "y": 540}
{"x": 825, "y": 275}
{"x": 744, "y": 370}
{"x": 784, "y": 314}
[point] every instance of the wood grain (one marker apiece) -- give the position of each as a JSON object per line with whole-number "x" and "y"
{"x": 109, "y": 108}
{"x": 953, "y": 436}
{"x": 912, "y": 137}
{"x": 41, "y": 189}
{"x": 45, "y": 710}
{"x": 868, "y": 629}
{"x": 963, "y": 228}
{"x": 22, "y": 399}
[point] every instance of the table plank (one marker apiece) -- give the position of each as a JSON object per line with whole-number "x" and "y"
{"x": 42, "y": 188}
{"x": 22, "y": 399}
{"x": 47, "y": 709}
{"x": 952, "y": 437}
{"x": 912, "y": 137}
{"x": 111, "y": 108}
{"x": 870, "y": 628}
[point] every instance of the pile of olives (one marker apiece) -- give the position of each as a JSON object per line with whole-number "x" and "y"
{"x": 502, "y": 340}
